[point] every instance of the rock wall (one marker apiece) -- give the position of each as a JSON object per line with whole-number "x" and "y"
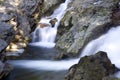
{"x": 84, "y": 21}
{"x": 17, "y": 20}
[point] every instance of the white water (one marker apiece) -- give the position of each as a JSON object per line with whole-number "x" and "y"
{"x": 46, "y": 65}
{"x": 110, "y": 43}
{"x": 46, "y": 36}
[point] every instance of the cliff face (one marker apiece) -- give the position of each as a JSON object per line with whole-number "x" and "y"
{"x": 84, "y": 21}
{"x": 17, "y": 20}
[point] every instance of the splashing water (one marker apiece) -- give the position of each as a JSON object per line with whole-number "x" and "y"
{"x": 45, "y": 36}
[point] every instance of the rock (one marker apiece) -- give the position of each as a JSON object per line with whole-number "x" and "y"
{"x": 4, "y": 17}
{"x": 110, "y": 78}
{"x": 1, "y": 66}
{"x": 42, "y": 25}
{"x": 53, "y": 21}
{"x": 25, "y": 14}
{"x": 17, "y": 20}
{"x": 94, "y": 67}
{"x": 49, "y": 6}
{"x": 6, "y": 34}
{"x": 84, "y": 21}
{"x": 3, "y": 45}
{"x": 6, "y": 71}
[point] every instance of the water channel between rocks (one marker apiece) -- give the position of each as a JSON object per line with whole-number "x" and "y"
{"x": 40, "y": 65}
{"x": 40, "y": 52}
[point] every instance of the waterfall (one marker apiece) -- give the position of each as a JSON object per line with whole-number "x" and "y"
{"x": 45, "y": 33}
{"x": 46, "y": 65}
{"x": 108, "y": 42}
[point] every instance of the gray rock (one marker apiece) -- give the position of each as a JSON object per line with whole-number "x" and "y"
{"x": 6, "y": 69}
{"x": 94, "y": 67}
{"x": 84, "y": 21}
{"x": 110, "y": 78}
{"x": 17, "y": 19}
{"x": 6, "y": 35}
{"x": 3, "y": 45}
{"x": 4, "y": 17}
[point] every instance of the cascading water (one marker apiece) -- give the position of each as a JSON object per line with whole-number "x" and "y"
{"x": 44, "y": 35}
{"x": 108, "y": 43}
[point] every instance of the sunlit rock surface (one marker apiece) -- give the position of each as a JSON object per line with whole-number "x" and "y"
{"x": 17, "y": 19}
{"x": 22, "y": 16}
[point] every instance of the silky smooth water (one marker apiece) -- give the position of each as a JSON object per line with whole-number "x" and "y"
{"x": 45, "y": 36}
{"x": 38, "y": 69}
{"x": 108, "y": 42}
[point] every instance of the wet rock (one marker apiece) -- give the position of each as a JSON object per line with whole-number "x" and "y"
{"x": 42, "y": 25}
{"x": 7, "y": 68}
{"x": 94, "y": 67}
{"x": 110, "y": 78}
{"x": 83, "y": 22}
{"x": 6, "y": 35}
{"x": 49, "y": 6}
{"x": 53, "y": 21}
{"x": 24, "y": 15}
{"x": 17, "y": 20}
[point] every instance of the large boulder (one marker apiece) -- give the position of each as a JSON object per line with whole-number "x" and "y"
{"x": 94, "y": 67}
{"x": 84, "y": 21}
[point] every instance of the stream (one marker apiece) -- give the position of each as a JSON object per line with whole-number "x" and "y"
{"x": 28, "y": 68}
{"x": 39, "y": 64}
{"x": 42, "y": 67}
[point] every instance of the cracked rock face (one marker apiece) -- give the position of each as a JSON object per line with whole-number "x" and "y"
{"x": 84, "y": 21}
